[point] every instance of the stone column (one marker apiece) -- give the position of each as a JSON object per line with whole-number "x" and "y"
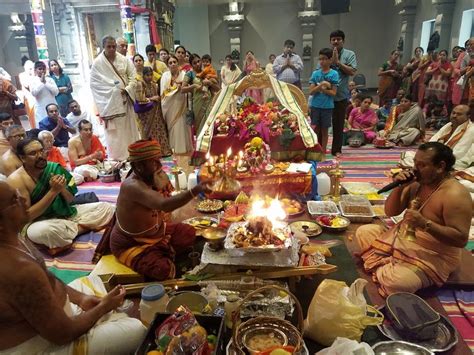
{"x": 443, "y": 21}
{"x": 234, "y": 22}
{"x": 127, "y": 25}
{"x": 40, "y": 32}
{"x": 308, "y": 19}
{"x": 407, "y": 29}
{"x": 142, "y": 31}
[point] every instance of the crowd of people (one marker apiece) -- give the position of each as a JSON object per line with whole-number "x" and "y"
{"x": 153, "y": 108}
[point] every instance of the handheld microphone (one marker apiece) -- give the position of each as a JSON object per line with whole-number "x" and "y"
{"x": 394, "y": 184}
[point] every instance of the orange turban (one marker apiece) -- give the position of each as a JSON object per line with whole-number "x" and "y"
{"x": 144, "y": 150}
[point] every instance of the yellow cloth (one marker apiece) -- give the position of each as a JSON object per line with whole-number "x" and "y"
{"x": 158, "y": 69}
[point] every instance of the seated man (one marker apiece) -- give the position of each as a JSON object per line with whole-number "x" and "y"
{"x": 49, "y": 191}
{"x": 59, "y": 127}
{"x": 405, "y": 124}
{"x": 85, "y": 151}
{"x": 440, "y": 221}
{"x": 458, "y": 135}
{"x": 6, "y": 121}
{"x": 140, "y": 237}
{"x": 76, "y": 115}
{"x": 41, "y": 315}
{"x": 52, "y": 153}
{"x": 10, "y": 161}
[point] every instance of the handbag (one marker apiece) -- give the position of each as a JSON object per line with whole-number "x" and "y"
{"x": 189, "y": 117}
{"x": 460, "y": 81}
{"x": 86, "y": 197}
{"x": 142, "y": 107}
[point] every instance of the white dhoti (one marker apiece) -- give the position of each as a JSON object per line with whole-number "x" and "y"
{"x": 56, "y": 232}
{"x": 114, "y": 333}
{"x": 90, "y": 172}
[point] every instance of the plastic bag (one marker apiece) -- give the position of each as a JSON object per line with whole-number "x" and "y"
{"x": 347, "y": 346}
{"x": 337, "y": 310}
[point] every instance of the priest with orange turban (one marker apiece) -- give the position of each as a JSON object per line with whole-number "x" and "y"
{"x": 141, "y": 238}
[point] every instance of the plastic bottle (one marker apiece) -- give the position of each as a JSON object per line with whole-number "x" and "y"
{"x": 324, "y": 184}
{"x": 154, "y": 300}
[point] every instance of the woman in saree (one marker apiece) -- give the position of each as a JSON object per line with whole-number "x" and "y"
{"x": 201, "y": 100}
{"x": 457, "y": 89}
{"x": 361, "y": 123}
{"x": 250, "y": 65}
{"x": 410, "y": 69}
{"x": 138, "y": 62}
{"x": 230, "y": 72}
{"x": 390, "y": 74}
{"x": 173, "y": 105}
{"x": 440, "y": 72}
{"x": 152, "y": 124}
{"x": 405, "y": 123}
{"x": 64, "y": 85}
{"x": 183, "y": 63}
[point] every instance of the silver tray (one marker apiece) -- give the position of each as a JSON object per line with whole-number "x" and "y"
{"x": 283, "y": 258}
{"x": 233, "y": 250}
{"x": 447, "y": 335}
{"x": 396, "y": 347}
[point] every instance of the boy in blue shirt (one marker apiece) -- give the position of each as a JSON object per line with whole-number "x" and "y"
{"x": 324, "y": 82}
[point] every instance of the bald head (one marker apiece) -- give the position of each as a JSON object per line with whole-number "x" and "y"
{"x": 459, "y": 115}
{"x": 122, "y": 46}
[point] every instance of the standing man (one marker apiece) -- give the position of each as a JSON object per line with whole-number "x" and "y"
{"x": 345, "y": 63}
{"x": 6, "y": 121}
{"x": 10, "y": 161}
{"x": 122, "y": 46}
{"x": 157, "y": 65}
{"x": 113, "y": 82}
{"x": 288, "y": 66}
{"x": 44, "y": 90}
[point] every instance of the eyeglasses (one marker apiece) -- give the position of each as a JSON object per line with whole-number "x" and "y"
{"x": 15, "y": 201}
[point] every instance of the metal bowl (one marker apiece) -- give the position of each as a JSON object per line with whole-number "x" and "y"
{"x": 195, "y": 301}
{"x": 333, "y": 229}
{"x": 215, "y": 237}
{"x": 399, "y": 348}
{"x": 264, "y": 331}
{"x": 107, "y": 178}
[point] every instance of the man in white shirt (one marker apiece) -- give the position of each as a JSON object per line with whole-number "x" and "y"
{"x": 76, "y": 114}
{"x": 44, "y": 90}
{"x": 288, "y": 66}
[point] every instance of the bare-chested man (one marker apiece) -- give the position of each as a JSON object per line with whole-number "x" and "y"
{"x": 441, "y": 222}
{"x": 40, "y": 314}
{"x": 6, "y": 121}
{"x": 85, "y": 151}
{"x": 140, "y": 238}
{"x": 10, "y": 161}
{"x": 49, "y": 190}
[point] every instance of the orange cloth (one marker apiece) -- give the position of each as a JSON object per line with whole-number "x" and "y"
{"x": 95, "y": 146}
{"x": 55, "y": 156}
{"x": 207, "y": 73}
{"x": 143, "y": 150}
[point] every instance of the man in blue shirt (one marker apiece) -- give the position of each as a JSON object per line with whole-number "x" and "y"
{"x": 288, "y": 66}
{"x": 323, "y": 88}
{"x": 344, "y": 62}
{"x": 58, "y": 126}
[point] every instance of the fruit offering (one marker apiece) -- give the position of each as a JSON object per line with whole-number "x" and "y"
{"x": 235, "y": 212}
{"x": 332, "y": 221}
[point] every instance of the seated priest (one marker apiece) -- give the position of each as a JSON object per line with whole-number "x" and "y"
{"x": 49, "y": 190}
{"x": 10, "y": 161}
{"x": 458, "y": 135}
{"x": 405, "y": 124}
{"x": 60, "y": 128}
{"x": 52, "y": 153}
{"x": 41, "y": 315}
{"x": 6, "y": 121}
{"x": 140, "y": 238}
{"x": 85, "y": 152}
{"x": 438, "y": 215}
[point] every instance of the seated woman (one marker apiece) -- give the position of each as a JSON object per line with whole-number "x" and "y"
{"x": 361, "y": 124}
{"x": 406, "y": 123}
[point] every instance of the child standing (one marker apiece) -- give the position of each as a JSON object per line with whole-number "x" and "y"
{"x": 324, "y": 82}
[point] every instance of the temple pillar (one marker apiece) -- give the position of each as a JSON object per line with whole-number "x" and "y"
{"x": 235, "y": 20}
{"x": 39, "y": 30}
{"x": 407, "y": 29}
{"x": 443, "y": 21}
{"x": 308, "y": 19}
{"x": 142, "y": 31}
{"x": 128, "y": 25}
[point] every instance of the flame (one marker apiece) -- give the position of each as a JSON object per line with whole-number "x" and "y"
{"x": 229, "y": 152}
{"x": 275, "y": 212}
{"x": 208, "y": 155}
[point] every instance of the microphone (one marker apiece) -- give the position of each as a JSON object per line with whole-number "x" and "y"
{"x": 394, "y": 184}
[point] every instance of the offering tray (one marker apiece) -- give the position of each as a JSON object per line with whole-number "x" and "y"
{"x": 236, "y": 251}
{"x": 287, "y": 257}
